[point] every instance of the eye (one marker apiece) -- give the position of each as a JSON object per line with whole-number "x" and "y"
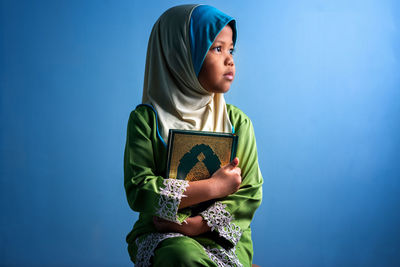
{"x": 232, "y": 51}
{"x": 217, "y": 49}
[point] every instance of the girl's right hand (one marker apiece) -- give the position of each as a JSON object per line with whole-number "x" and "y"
{"x": 227, "y": 179}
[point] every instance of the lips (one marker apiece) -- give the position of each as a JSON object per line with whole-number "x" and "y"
{"x": 229, "y": 76}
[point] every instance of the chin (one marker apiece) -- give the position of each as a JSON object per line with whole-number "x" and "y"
{"x": 220, "y": 90}
{"x": 223, "y": 89}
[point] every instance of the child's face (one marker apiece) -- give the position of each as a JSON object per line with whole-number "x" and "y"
{"x": 218, "y": 70}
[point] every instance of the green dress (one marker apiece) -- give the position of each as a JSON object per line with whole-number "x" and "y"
{"x": 148, "y": 192}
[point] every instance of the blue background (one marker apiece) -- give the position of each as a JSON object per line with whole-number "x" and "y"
{"x": 319, "y": 79}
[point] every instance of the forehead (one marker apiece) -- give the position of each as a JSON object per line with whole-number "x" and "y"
{"x": 225, "y": 36}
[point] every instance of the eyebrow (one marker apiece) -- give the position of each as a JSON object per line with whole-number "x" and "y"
{"x": 217, "y": 41}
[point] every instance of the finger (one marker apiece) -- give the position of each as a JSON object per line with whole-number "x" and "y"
{"x": 235, "y": 162}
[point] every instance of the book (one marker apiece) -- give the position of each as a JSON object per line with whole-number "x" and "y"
{"x": 196, "y": 155}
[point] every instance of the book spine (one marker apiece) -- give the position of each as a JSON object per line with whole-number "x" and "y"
{"x": 234, "y": 146}
{"x": 170, "y": 137}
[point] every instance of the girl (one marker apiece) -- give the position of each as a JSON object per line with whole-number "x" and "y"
{"x": 189, "y": 66}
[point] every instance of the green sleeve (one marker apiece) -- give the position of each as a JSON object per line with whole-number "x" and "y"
{"x": 147, "y": 192}
{"x": 232, "y": 215}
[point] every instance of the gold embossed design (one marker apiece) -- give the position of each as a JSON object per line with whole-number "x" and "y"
{"x": 183, "y": 143}
{"x": 198, "y": 172}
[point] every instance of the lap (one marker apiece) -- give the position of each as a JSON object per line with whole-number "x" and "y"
{"x": 181, "y": 251}
{"x": 174, "y": 249}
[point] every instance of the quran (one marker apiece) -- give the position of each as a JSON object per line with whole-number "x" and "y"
{"x": 196, "y": 155}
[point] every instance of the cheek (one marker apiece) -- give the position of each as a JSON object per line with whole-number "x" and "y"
{"x": 213, "y": 71}
{"x": 204, "y": 77}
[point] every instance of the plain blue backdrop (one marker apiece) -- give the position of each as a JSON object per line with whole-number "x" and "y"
{"x": 319, "y": 79}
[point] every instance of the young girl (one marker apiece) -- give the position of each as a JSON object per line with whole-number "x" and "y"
{"x": 189, "y": 66}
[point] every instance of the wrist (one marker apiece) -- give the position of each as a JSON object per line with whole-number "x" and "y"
{"x": 213, "y": 189}
{"x": 195, "y": 226}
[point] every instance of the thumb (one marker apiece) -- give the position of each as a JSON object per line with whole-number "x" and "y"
{"x": 234, "y": 163}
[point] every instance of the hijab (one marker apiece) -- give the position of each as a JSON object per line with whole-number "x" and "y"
{"x": 178, "y": 44}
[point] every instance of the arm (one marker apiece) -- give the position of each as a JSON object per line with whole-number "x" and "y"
{"x": 150, "y": 193}
{"x": 146, "y": 191}
{"x": 194, "y": 226}
{"x": 230, "y": 216}
{"x": 222, "y": 183}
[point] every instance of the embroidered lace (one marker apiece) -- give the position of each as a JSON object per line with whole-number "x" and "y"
{"x": 170, "y": 198}
{"x": 147, "y": 246}
{"x": 223, "y": 258}
{"x": 219, "y": 219}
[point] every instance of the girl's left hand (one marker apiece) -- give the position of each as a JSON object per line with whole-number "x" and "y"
{"x": 194, "y": 226}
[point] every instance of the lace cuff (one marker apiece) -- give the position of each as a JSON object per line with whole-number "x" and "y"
{"x": 223, "y": 258}
{"x": 147, "y": 245}
{"x": 219, "y": 219}
{"x": 170, "y": 198}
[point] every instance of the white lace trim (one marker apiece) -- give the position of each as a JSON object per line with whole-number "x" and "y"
{"x": 147, "y": 246}
{"x": 170, "y": 198}
{"x": 220, "y": 219}
{"x": 223, "y": 258}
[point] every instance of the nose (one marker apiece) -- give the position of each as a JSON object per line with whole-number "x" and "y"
{"x": 229, "y": 60}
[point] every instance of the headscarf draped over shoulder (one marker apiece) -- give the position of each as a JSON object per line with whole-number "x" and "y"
{"x": 178, "y": 44}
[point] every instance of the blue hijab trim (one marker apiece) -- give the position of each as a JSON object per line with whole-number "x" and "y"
{"x": 205, "y": 24}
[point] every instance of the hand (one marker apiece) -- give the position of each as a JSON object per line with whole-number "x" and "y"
{"x": 194, "y": 226}
{"x": 227, "y": 179}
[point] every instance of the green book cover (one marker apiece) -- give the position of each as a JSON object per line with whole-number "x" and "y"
{"x": 196, "y": 155}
